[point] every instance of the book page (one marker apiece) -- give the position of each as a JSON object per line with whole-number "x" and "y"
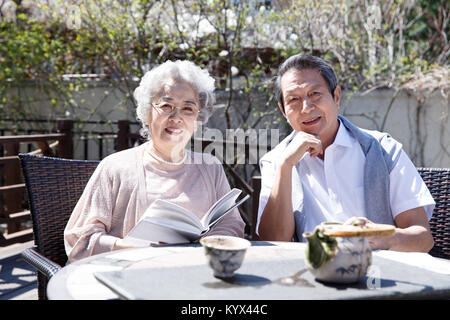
{"x": 153, "y": 230}
{"x": 169, "y": 211}
{"x": 212, "y": 223}
{"x": 222, "y": 205}
{"x": 167, "y": 222}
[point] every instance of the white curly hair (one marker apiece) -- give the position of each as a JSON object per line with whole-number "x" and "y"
{"x": 152, "y": 82}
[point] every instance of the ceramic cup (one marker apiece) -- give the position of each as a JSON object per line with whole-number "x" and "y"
{"x": 225, "y": 254}
{"x": 350, "y": 264}
{"x": 352, "y": 258}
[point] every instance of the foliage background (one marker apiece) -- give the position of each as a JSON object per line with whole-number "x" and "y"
{"x": 57, "y": 46}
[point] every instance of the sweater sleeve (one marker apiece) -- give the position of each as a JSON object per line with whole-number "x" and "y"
{"x": 86, "y": 232}
{"x": 232, "y": 224}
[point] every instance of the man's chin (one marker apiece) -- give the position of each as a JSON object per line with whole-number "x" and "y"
{"x": 308, "y": 131}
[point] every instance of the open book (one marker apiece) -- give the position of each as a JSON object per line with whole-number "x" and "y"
{"x": 167, "y": 222}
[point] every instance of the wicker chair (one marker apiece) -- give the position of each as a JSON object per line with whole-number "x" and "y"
{"x": 437, "y": 181}
{"x": 54, "y": 186}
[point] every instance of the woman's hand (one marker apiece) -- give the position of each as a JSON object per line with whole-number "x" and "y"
{"x": 121, "y": 244}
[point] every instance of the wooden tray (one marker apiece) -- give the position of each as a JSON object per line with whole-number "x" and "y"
{"x": 368, "y": 230}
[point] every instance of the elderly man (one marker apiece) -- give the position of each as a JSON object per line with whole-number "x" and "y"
{"x": 328, "y": 169}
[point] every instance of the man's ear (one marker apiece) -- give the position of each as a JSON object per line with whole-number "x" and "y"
{"x": 281, "y": 109}
{"x": 337, "y": 95}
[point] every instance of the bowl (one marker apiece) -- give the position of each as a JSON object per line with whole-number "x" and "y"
{"x": 225, "y": 254}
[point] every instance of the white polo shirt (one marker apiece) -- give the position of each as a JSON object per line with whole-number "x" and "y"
{"x": 333, "y": 188}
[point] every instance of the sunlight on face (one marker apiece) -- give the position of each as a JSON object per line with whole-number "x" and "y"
{"x": 174, "y": 129}
{"x": 309, "y": 105}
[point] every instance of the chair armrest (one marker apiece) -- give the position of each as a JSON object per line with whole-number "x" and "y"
{"x": 41, "y": 263}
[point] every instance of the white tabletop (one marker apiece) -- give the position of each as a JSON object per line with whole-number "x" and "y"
{"x": 169, "y": 263}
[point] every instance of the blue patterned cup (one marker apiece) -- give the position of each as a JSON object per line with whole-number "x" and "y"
{"x": 225, "y": 254}
{"x": 337, "y": 259}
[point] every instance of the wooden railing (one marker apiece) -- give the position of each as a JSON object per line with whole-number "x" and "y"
{"x": 12, "y": 192}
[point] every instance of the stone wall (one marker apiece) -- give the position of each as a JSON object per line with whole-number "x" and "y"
{"x": 424, "y": 130}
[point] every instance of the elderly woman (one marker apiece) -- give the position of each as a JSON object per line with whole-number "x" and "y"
{"x": 171, "y": 100}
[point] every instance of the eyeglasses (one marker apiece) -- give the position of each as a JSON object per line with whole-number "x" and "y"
{"x": 188, "y": 110}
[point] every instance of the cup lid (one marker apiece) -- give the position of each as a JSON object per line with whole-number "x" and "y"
{"x": 368, "y": 230}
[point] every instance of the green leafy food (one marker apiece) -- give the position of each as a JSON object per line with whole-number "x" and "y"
{"x": 320, "y": 248}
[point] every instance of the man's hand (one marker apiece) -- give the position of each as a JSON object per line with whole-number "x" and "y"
{"x": 302, "y": 142}
{"x": 412, "y": 232}
{"x": 277, "y": 221}
{"x": 358, "y": 221}
{"x": 376, "y": 243}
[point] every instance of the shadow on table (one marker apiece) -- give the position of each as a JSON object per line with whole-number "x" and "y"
{"x": 239, "y": 280}
{"x": 369, "y": 284}
{"x": 366, "y": 284}
{"x": 249, "y": 280}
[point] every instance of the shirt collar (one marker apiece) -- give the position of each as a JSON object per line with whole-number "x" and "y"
{"x": 343, "y": 137}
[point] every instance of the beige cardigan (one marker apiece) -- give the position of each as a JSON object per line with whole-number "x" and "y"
{"x": 126, "y": 183}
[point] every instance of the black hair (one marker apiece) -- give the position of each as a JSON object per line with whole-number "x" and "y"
{"x": 301, "y": 62}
